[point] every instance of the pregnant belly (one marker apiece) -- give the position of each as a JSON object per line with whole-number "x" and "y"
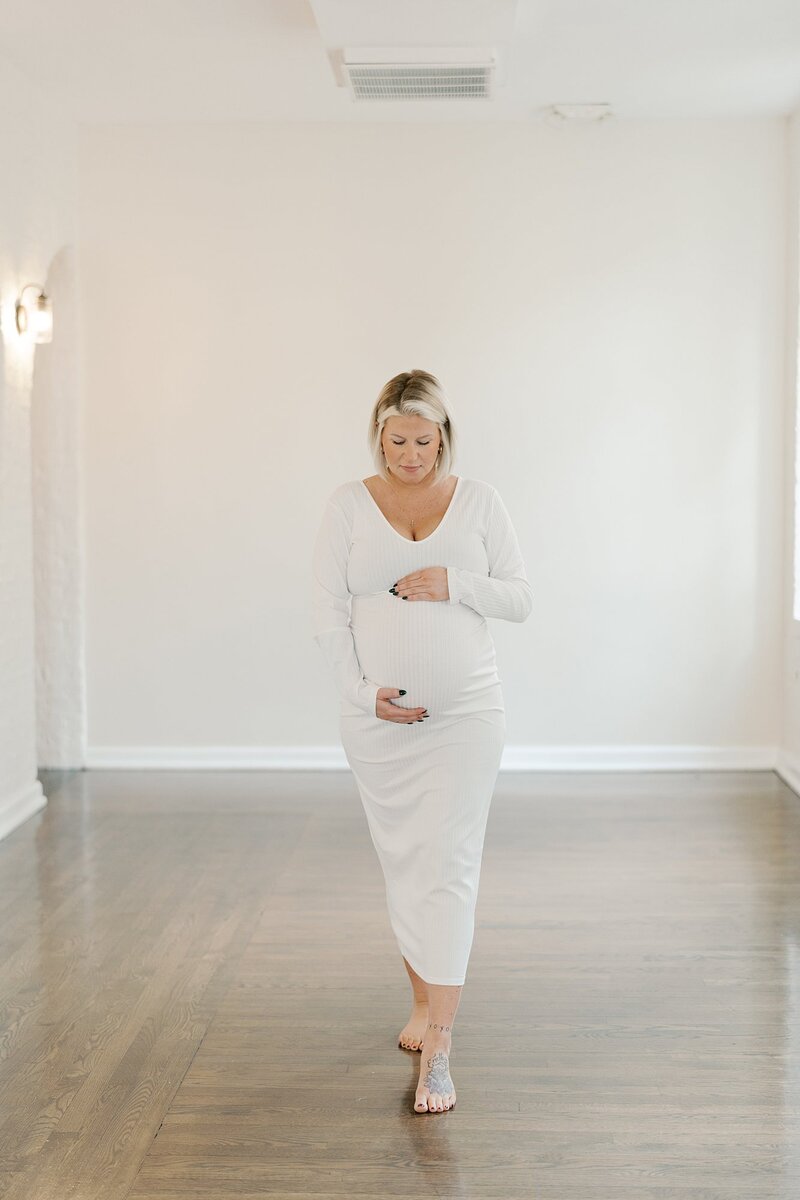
{"x": 441, "y": 653}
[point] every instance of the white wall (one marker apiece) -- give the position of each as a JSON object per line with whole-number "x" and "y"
{"x": 789, "y": 761}
{"x": 39, "y": 517}
{"x": 606, "y": 307}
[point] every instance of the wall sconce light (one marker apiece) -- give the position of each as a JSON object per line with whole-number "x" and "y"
{"x": 35, "y": 317}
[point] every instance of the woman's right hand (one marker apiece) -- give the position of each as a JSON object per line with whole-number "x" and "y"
{"x": 395, "y": 712}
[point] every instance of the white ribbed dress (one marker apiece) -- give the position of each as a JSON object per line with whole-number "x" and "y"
{"x": 426, "y": 787}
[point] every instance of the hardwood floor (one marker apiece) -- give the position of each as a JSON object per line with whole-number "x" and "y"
{"x": 200, "y": 995}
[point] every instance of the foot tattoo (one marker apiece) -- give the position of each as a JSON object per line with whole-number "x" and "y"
{"x": 439, "y": 1085}
{"x": 438, "y": 1077}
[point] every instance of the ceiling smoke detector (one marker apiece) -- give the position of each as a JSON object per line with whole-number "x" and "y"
{"x": 416, "y": 73}
{"x": 579, "y": 112}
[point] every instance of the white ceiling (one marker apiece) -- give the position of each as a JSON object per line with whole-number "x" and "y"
{"x": 273, "y": 60}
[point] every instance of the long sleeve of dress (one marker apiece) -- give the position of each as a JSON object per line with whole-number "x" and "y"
{"x": 505, "y": 591}
{"x": 331, "y": 610}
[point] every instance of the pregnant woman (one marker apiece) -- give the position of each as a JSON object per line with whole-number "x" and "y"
{"x": 407, "y": 566}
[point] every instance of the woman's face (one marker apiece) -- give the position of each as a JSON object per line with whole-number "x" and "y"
{"x": 410, "y": 442}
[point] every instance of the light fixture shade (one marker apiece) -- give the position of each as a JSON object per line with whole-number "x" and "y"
{"x": 42, "y": 319}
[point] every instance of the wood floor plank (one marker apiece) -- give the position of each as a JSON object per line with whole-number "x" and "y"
{"x": 200, "y": 995}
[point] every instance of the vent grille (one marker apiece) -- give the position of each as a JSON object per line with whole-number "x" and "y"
{"x": 420, "y": 81}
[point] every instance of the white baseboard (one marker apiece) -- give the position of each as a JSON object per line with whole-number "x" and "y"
{"x": 18, "y": 807}
{"x": 788, "y": 767}
{"x": 515, "y": 758}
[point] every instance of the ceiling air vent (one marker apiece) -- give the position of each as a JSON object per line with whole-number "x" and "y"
{"x": 419, "y": 74}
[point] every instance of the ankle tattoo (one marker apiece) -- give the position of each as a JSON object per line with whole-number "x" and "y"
{"x": 443, "y": 1028}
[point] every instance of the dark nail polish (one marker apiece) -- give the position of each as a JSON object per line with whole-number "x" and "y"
{"x": 405, "y": 597}
{"x": 402, "y": 691}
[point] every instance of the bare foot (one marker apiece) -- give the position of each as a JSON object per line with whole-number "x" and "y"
{"x": 435, "y": 1090}
{"x": 411, "y": 1034}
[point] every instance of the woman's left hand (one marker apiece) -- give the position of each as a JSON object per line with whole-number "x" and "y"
{"x": 428, "y": 584}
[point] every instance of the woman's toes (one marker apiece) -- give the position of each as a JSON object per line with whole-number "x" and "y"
{"x": 434, "y": 1103}
{"x": 412, "y": 1032}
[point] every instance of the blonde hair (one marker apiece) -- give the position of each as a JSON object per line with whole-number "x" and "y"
{"x": 413, "y": 394}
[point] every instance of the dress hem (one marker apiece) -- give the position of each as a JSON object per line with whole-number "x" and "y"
{"x": 436, "y": 982}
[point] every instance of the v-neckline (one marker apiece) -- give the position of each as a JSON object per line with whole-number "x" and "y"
{"x": 402, "y": 536}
